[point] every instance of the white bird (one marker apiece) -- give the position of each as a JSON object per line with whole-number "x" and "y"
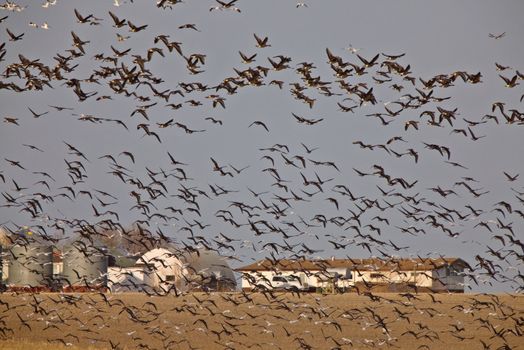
{"x": 352, "y": 49}
{"x": 49, "y": 3}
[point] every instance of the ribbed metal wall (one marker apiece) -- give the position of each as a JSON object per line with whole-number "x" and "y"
{"x": 85, "y": 265}
{"x": 30, "y": 264}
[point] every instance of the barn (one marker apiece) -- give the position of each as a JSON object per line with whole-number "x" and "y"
{"x": 392, "y": 275}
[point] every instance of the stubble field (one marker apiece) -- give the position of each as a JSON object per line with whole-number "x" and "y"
{"x": 239, "y": 321}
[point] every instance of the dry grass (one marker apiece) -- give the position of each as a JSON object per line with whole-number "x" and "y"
{"x": 215, "y": 321}
{"x": 30, "y": 345}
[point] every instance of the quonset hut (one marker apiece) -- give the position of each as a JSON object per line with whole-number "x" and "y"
{"x": 158, "y": 271}
{"x": 162, "y": 271}
{"x": 208, "y": 271}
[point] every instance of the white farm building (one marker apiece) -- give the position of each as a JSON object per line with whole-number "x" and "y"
{"x": 394, "y": 275}
{"x": 163, "y": 271}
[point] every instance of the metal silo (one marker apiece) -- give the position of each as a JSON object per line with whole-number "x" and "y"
{"x": 30, "y": 263}
{"x": 85, "y": 266}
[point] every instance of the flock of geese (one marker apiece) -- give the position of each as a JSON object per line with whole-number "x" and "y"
{"x": 290, "y": 201}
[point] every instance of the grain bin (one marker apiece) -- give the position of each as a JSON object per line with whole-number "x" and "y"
{"x": 30, "y": 263}
{"x": 85, "y": 267}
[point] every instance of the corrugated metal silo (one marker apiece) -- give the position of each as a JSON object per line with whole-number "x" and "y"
{"x": 30, "y": 263}
{"x": 85, "y": 266}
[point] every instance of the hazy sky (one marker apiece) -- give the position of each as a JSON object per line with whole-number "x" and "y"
{"x": 437, "y": 38}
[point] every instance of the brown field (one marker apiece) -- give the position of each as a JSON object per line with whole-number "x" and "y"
{"x": 237, "y": 321}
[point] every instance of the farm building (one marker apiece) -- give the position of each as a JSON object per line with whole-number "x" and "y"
{"x": 205, "y": 269}
{"x": 28, "y": 261}
{"x": 394, "y": 275}
{"x": 163, "y": 271}
{"x": 157, "y": 269}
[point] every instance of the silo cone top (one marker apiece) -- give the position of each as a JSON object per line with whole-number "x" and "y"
{"x": 27, "y": 237}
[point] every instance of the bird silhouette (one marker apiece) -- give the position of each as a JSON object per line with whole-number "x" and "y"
{"x": 259, "y": 123}
{"x": 282, "y": 200}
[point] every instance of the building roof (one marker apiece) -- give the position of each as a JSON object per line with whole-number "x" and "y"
{"x": 160, "y": 258}
{"x": 375, "y": 264}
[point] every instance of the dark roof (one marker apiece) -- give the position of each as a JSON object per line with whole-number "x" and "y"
{"x": 402, "y": 264}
